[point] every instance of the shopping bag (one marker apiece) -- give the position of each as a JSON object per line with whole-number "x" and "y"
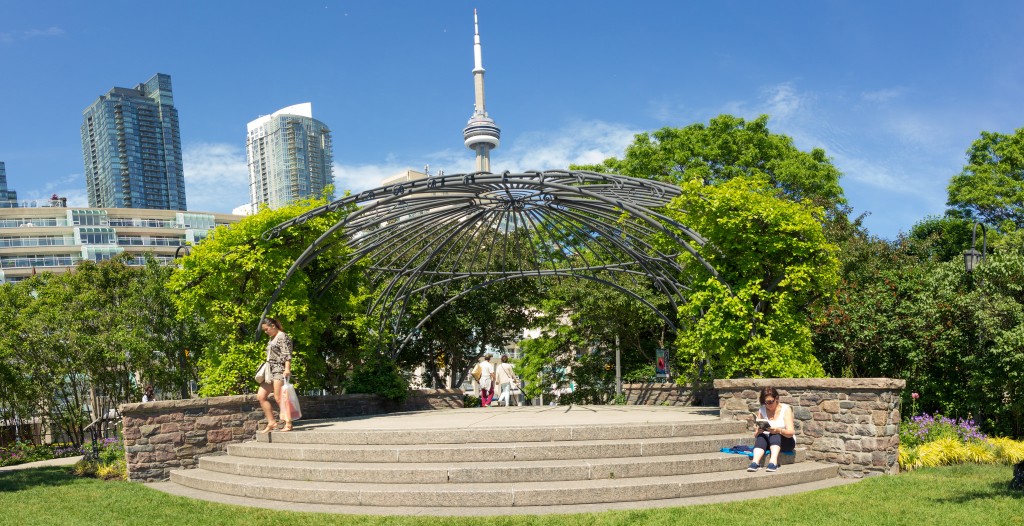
{"x": 290, "y": 409}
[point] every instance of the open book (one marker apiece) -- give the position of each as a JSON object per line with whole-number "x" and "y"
{"x": 762, "y": 424}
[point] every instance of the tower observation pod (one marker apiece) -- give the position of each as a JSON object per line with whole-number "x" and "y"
{"x": 481, "y": 133}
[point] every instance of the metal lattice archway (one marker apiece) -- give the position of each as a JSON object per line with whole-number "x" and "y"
{"x": 487, "y": 228}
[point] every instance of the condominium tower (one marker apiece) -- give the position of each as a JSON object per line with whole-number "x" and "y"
{"x": 6, "y": 196}
{"x": 290, "y": 157}
{"x": 131, "y": 146}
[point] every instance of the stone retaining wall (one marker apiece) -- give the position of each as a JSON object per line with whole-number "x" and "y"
{"x": 668, "y": 394}
{"x": 173, "y": 434}
{"x": 852, "y": 422}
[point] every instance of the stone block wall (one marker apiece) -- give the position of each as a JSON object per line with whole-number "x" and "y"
{"x": 668, "y": 394}
{"x": 852, "y": 422}
{"x": 173, "y": 434}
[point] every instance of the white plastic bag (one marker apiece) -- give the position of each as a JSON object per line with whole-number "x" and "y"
{"x": 290, "y": 409}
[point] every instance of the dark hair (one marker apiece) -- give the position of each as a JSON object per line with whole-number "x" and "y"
{"x": 767, "y": 391}
{"x": 504, "y": 358}
{"x": 273, "y": 323}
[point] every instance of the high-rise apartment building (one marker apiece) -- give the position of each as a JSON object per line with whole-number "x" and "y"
{"x": 131, "y": 145}
{"x": 6, "y": 196}
{"x": 290, "y": 157}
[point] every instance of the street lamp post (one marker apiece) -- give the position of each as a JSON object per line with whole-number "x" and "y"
{"x": 972, "y": 257}
{"x": 186, "y": 248}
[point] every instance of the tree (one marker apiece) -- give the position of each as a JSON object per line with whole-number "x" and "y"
{"x": 943, "y": 238}
{"x": 990, "y": 188}
{"x": 726, "y": 148}
{"x": 763, "y": 205}
{"x": 80, "y": 342}
{"x": 582, "y": 323}
{"x": 225, "y": 283}
{"x": 449, "y": 343}
{"x": 774, "y": 257}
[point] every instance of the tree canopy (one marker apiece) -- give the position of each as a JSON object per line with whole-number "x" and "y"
{"x": 776, "y": 261}
{"x": 729, "y": 147}
{"x": 225, "y": 283}
{"x": 990, "y": 188}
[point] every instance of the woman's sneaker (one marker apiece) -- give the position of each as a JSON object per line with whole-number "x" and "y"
{"x": 771, "y": 468}
{"x": 754, "y": 466}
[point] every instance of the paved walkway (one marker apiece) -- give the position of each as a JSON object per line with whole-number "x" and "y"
{"x": 66, "y": 461}
{"x": 516, "y": 417}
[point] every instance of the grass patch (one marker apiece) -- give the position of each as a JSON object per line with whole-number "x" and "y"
{"x": 954, "y": 495}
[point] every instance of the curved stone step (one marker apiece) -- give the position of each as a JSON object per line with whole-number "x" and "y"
{"x": 501, "y": 493}
{"x": 494, "y": 452}
{"x": 767, "y": 491}
{"x": 471, "y": 472}
{"x": 313, "y": 432}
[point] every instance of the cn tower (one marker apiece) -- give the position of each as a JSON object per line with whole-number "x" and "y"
{"x": 481, "y": 134}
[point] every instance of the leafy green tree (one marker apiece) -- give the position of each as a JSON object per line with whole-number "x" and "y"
{"x": 80, "y": 342}
{"x": 226, "y": 281}
{"x": 870, "y": 327}
{"x": 763, "y": 205}
{"x": 990, "y": 188}
{"x": 449, "y": 343}
{"x": 582, "y": 323}
{"x": 773, "y": 254}
{"x": 726, "y": 148}
{"x": 943, "y": 238}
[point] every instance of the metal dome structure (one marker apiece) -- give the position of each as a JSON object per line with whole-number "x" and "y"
{"x": 467, "y": 231}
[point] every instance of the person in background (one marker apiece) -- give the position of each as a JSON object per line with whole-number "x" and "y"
{"x": 148, "y": 395}
{"x": 779, "y": 435}
{"x": 279, "y": 361}
{"x": 505, "y": 375}
{"x": 486, "y": 380}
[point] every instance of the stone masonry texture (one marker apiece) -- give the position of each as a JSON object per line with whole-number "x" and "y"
{"x": 851, "y": 422}
{"x": 173, "y": 434}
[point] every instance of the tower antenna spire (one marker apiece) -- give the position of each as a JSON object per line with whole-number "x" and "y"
{"x": 481, "y": 134}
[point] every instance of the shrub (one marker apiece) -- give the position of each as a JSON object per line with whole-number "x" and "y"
{"x": 85, "y": 468}
{"x": 470, "y": 401}
{"x": 379, "y": 376}
{"x": 116, "y": 470}
{"x": 927, "y": 428}
{"x": 1008, "y": 451}
{"x": 111, "y": 451}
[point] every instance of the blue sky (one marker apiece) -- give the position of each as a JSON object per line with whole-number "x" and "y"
{"x": 894, "y": 92}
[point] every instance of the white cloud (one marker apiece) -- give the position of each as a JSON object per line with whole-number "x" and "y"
{"x": 9, "y": 37}
{"x": 579, "y": 142}
{"x": 782, "y": 101}
{"x": 71, "y": 186}
{"x": 883, "y": 95}
{"x": 216, "y": 177}
{"x": 359, "y": 177}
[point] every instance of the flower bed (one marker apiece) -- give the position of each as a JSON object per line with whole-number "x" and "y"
{"x": 935, "y": 440}
{"x": 22, "y": 452}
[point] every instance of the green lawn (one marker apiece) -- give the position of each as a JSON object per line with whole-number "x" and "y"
{"x": 958, "y": 495}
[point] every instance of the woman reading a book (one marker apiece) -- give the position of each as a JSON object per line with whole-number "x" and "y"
{"x": 775, "y": 430}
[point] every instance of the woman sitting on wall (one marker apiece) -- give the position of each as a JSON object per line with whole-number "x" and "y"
{"x": 777, "y": 435}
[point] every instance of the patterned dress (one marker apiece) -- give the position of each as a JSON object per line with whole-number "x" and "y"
{"x": 279, "y": 351}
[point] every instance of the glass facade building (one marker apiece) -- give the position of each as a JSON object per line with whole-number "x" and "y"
{"x": 290, "y": 157}
{"x": 131, "y": 146}
{"x": 7, "y": 196}
{"x": 55, "y": 238}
